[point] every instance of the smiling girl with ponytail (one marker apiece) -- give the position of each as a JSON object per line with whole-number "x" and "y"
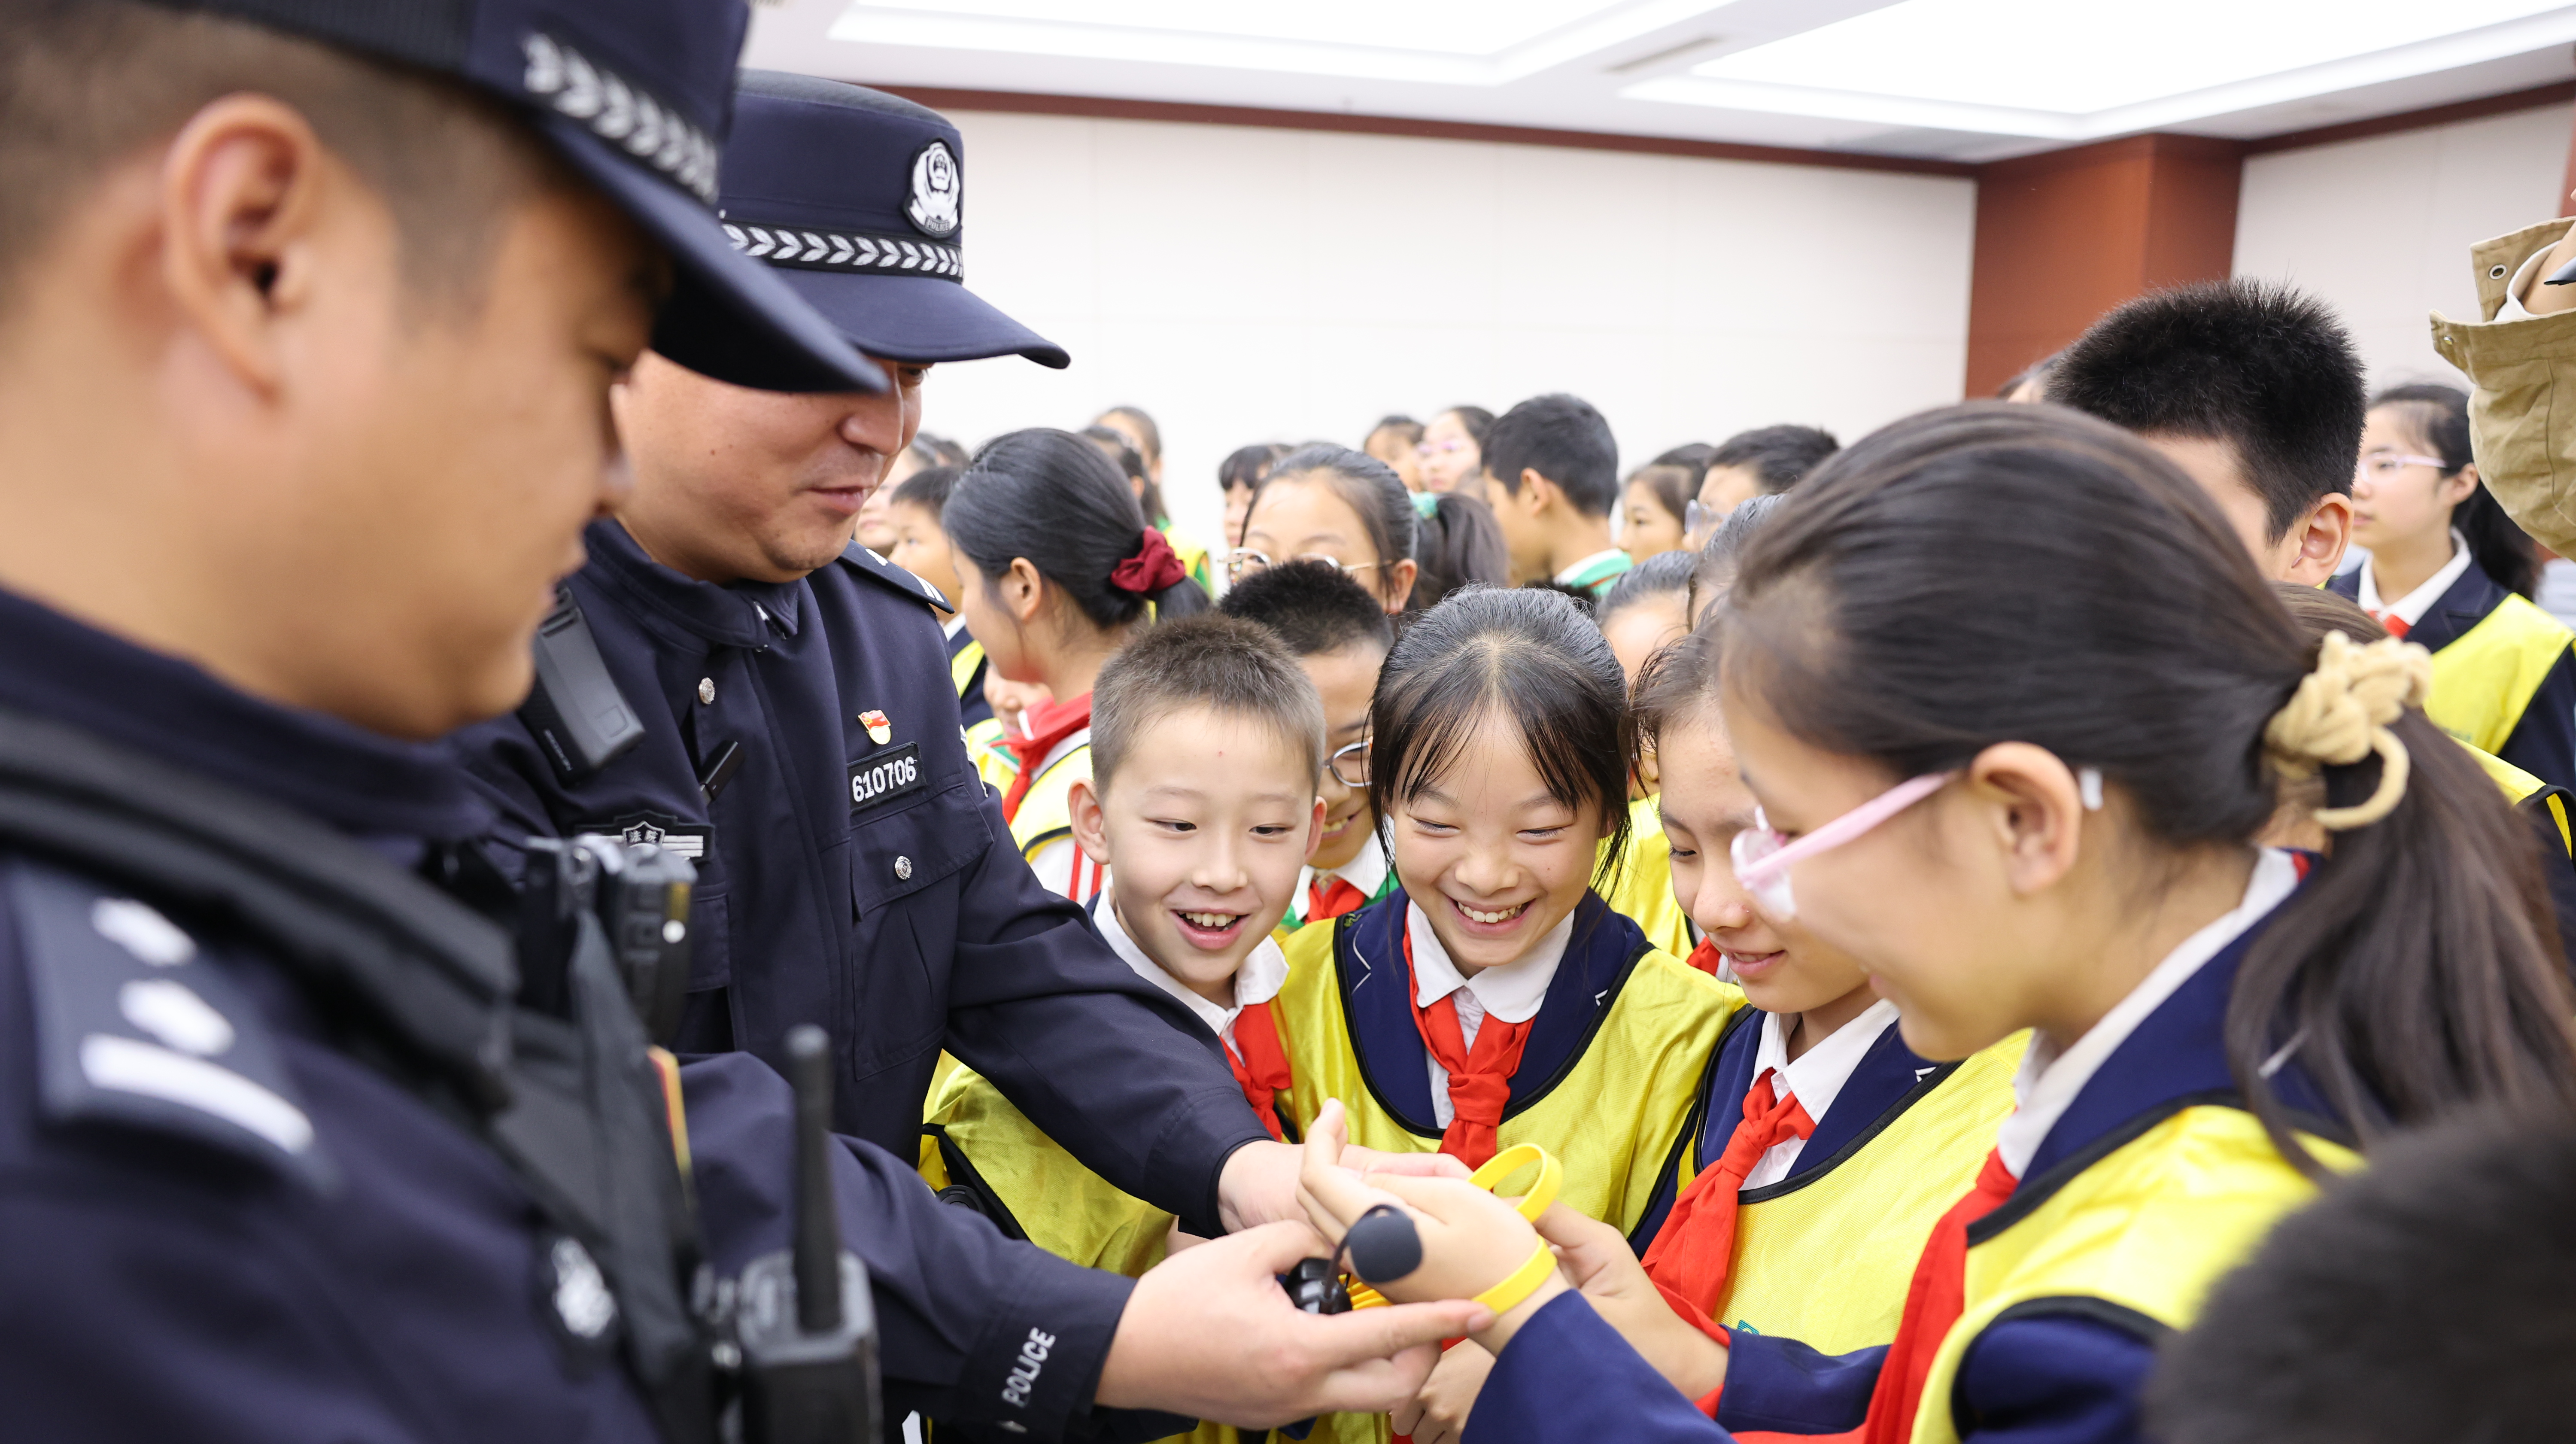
{"x": 1058, "y": 570}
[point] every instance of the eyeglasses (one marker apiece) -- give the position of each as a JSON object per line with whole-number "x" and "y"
{"x": 1350, "y": 765}
{"x": 2380, "y": 465}
{"x": 1699, "y": 520}
{"x": 1762, "y": 856}
{"x": 1243, "y": 564}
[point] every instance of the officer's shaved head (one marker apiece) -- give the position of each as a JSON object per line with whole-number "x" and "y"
{"x": 86, "y": 83}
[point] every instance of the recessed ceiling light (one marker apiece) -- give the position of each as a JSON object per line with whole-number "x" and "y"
{"x": 1439, "y": 27}
{"x": 2073, "y": 71}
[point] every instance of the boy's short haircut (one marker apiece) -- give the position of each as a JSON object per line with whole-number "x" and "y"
{"x": 927, "y": 488}
{"x": 1563, "y": 439}
{"x": 1230, "y": 666}
{"x": 2264, "y": 368}
{"x": 1312, "y": 607}
{"x": 85, "y": 83}
{"x": 1779, "y": 456}
{"x": 2426, "y": 1298}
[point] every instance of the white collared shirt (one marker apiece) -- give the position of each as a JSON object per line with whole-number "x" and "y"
{"x": 2049, "y": 1080}
{"x": 1511, "y": 992}
{"x": 1815, "y": 1078}
{"x": 1366, "y": 871}
{"x": 956, "y": 623}
{"x": 2411, "y": 607}
{"x": 1263, "y": 973}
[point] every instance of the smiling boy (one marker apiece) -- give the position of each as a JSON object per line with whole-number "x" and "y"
{"x": 1340, "y": 636}
{"x": 1206, "y": 742}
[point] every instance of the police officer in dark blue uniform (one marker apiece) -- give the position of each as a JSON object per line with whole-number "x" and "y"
{"x": 311, "y": 313}
{"x": 800, "y": 733}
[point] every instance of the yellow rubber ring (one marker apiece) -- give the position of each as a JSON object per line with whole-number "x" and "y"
{"x": 1364, "y": 1297}
{"x": 1523, "y": 1282}
{"x": 1551, "y": 1174}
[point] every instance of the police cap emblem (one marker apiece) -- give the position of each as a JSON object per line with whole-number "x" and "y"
{"x": 938, "y": 191}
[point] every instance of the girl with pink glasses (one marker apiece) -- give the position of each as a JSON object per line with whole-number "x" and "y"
{"x": 2021, "y": 798}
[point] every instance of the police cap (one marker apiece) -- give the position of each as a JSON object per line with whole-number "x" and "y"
{"x": 635, "y": 95}
{"x": 857, "y": 198}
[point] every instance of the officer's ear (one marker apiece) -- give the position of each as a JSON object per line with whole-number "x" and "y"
{"x": 1091, "y": 824}
{"x": 248, "y": 199}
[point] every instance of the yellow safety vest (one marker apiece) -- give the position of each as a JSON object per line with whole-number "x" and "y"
{"x": 1642, "y": 888}
{"x": 2147, "y": 1228}
{"x": 1194, "y": 558}
{"x": 2521, "y": 786}
{"x": 1825, "y": 1257}
{"x": 2484, "y": 679}
{"x": 1046, "y": 810}
{"x": 974, "y": 1139}
{"x": 962, "y": 667}
{"x": 1615, "y": 1116}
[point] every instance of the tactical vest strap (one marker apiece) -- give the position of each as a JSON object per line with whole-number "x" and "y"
{"x": 573, "y": 1107}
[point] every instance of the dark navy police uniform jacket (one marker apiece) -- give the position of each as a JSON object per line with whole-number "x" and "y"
{"x": 802, "y": 744}
{"x": 220, "y": 1224}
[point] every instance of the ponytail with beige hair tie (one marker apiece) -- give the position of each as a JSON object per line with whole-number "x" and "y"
{"x": 2340, "y": 715}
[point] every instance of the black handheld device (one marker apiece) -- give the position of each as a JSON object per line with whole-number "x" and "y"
{"x": 803, "y": 1319}
{"x": 579, "y": 718}
{"x": 638, "y": 893}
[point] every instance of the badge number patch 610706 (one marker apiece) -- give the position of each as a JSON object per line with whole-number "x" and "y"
{"x": 881, "y": 777}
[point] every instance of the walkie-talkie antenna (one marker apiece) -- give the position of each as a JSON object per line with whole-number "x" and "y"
{"x": 818, "y": 1232}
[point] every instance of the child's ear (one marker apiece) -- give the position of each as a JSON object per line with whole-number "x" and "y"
{"x": 2037, "y": 812}
{"x": 1024, "y": 591}
{"x": 1536, "y": 491}
{"x": 1090, "y": 823}
{"x": 1315, "y": 828}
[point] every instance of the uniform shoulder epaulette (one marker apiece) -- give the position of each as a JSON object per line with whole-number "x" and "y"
{"x": 135, "y": 1028}
{"x": 868, "y": 564}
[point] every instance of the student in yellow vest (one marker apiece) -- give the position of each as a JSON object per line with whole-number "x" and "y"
{"x": 1824, "y": 1148}
{"x": 1641, "y": 614}
{"x": 1056, "y": 570}
{"x": 2024, "y": 800}
{"x": 1206, "y": 741}
{"x": 1339, "y": 635}
{"x": 2450, "y": 571}
{"x": 1494, "y": 999}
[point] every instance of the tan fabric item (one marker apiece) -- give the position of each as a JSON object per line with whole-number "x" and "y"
{"x": 2522, "y": 414}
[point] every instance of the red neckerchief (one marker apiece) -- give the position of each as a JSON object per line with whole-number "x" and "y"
{"x": 1706, "y": 957}
{"x": 1330, "y": 897}
{"x": 1933, "y": 1303}
{"x": 1480, "y": 1081}
{"x": 1260, "y": 1065}
{"x": 1694, "y": 1253}
{"x": 1048, "y": 725}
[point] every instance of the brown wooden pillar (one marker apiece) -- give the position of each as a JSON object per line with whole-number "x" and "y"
{"x": 2068, "y": 234}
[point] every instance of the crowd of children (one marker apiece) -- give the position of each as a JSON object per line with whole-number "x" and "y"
{"x": 1934, "y": 965}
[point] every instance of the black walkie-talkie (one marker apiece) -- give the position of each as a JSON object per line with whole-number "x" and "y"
{"x": 804, "y": 1319}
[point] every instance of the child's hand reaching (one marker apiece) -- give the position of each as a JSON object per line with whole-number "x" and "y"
{"x": 1471, "y": 1240}
{"x": 1597, "y": 1259}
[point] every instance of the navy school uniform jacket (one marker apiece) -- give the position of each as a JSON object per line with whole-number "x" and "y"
{"x": 866, "y": 885}
{"x": 2042, "y": 1377}
{"x": 171, "y": 1275}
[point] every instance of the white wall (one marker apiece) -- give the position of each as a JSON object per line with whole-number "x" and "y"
{"x": 2381, "y": 227}
{"x": 1255, "y": 285}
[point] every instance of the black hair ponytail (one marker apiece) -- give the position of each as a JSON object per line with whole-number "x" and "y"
{"x": 2500, "y": 548}
{"x": 1140, "y": 477}
{"x": 1052, "y": 497}
{"x": 1457, "y": 544}
{"x": 1883, "y": 615}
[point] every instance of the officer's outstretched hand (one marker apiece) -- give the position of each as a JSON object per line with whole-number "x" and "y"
{"x": 1209, "y": 1332}
{"x": 1471, "y": 1240}
{"x": 1259, "y": 1184}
